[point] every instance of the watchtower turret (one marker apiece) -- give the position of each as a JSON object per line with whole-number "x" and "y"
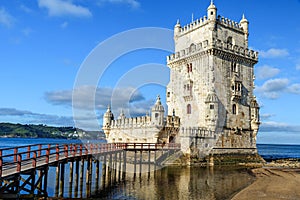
{"x": 157, "y": 112}
{"x": 108, "y": 117}
{"x": 177, "y": 29}
{"x": 245, "y": 25}
{"x": 212, "y": 11}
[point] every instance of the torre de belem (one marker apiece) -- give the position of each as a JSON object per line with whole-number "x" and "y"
{"x": 211, "y": 105}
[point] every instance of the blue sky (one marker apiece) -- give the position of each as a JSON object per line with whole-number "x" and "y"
{"x": 43, "y": 44}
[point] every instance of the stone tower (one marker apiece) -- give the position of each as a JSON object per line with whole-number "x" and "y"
{"x": 211, "y": 85}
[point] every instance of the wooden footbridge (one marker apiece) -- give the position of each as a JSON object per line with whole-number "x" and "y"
{"x": 24, "y": 170}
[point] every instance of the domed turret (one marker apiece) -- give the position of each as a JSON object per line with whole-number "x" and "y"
{"x": 157, "y": 112}
{"x": 212, "y": 11}
{"x": 158, "y": 106}
{"x": 177, "y": 29}
{"x": 245, "y": 25}
{"x": 107, "y": 118}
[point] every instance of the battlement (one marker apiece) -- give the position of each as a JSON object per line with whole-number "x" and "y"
{"x": 216, "y": 44}
{"x": 131, "y": 122}
{"x": 204, "y": 21}
{"x": 229, "y": 23}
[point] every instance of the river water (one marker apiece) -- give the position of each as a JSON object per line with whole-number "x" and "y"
{"x": 169, "y": 182}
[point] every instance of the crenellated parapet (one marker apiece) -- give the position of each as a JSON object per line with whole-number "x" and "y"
{"x": 131, "y": 122}
{"x": 218, "y": 44}
{"x": 230, "y": 23}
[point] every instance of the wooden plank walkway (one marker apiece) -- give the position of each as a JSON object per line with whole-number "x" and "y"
{"x": 21, "y": 159}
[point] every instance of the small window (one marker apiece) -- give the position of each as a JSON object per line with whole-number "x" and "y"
{"x": 156, "y": 115}
{"x": 168, "y": 94}
{"x": 229, "y": 40}
{"x": 233, "y": 67}
{"x": 189, "y": 68}
{"x": 211, "y": 13}
{"x": 189, "y": 109}
{"x": 234, "y": 109}
{"x": 212, "y": 106}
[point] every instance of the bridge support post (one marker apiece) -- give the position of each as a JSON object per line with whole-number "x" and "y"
{"x": 134, "y": 171}
{"x": 115, "y": 168}
{"x": 103, "y": 172}
{"x": 76, "y": 178}
{"x": 109, "y": 169}
{"x": 120, "y": 164}
{"x": 149, "y": 164}
{"x": 62, "y": 180}
{"x": 57, "y": 180}
{"x": 81, "y": 176}
{"x": 124, "y": 165}
{"x": 141, "y": 159}
{"x": 71, "y": 178}
{"x": 97, "y": 174}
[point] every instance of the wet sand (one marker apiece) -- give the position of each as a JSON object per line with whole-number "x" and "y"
{"x": 272, "y": 183}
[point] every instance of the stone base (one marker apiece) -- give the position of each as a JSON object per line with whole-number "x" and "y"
{"x": 221, "y": 159}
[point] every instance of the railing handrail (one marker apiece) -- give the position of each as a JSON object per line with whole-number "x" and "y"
{"x": 65, "y": 151}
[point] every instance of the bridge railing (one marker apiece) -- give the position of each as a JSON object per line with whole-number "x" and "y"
{"x": 17, "y": 159}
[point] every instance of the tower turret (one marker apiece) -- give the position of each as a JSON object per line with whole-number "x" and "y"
{"x": 108, "y": 117}
{"x": 254, "y": 116}
{"x": 212, "y": 109}
{"x": 245, "y": 25}
{"x": 177, "y": 29}
{"x": 212, "y": 11}
{"x": 157, "y": 112}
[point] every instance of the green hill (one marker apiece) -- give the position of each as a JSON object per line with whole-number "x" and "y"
{"x": 44, "y": 131}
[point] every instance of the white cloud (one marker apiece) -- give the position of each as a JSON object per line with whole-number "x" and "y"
{"x": 272, "y": 88}
{"x": 265, "y": 72}
{"x": 295, "y": 88}
{"x": 5, "y": 18}
{"x": 37, "y": 118}
{"x": 132, "y": 3}
{"x": 266, "y": 116}
{"x": 274, "y": 53}
{"x": 271, "y": 126}
{"x": 64, "y": 8}
{"x": 298, "y": 67}
{"x": 119, "y": 97}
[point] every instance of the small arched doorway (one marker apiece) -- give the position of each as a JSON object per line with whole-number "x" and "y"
{"x": 171, "y": 139}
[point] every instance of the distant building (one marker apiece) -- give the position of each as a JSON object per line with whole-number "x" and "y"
{"x": 210, "y": 91}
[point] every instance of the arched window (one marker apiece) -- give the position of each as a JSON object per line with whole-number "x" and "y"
{"x": 189, "y": 67}
{"x": 229, "y": 40}
{"x": 234, "y": 109}
{"x": 188, "y": 109}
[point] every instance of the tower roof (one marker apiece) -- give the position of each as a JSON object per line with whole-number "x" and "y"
{"x": 158, "y": 106}
{"x": 243, "y": 19}
{"x": 212, "y": 5}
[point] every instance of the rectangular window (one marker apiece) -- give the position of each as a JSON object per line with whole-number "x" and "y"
{"x": 212, "y": 106}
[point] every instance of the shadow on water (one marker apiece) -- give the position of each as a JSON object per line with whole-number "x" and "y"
{"x": 180, "y": 183}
